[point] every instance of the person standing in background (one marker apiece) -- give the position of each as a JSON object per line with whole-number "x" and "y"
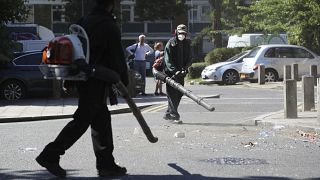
{"x": 158, "y": 58}
{"x": 142, "y": 50}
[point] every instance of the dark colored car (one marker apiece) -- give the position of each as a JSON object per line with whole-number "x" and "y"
{"x": 21, "y": 77}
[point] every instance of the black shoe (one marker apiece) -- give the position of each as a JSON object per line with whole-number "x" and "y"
{"x": 52, "y": 167}
{"x": 167, "y": 117}
{"x": 156, "y": 94}
{"x": 143, "y": 94}
{"x": 113, "y": 171}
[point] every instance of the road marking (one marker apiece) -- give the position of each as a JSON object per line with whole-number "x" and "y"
{"x": 155, "y": 109}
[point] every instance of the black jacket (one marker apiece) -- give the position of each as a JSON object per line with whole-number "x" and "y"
{"x": 173, "y": 61}
{"x": 105, "y": 50}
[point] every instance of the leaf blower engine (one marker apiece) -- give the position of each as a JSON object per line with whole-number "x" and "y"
{"x": 67, "y": 58}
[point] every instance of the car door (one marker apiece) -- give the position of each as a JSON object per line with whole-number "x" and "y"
{"x": 304, "y": 59}
{"x": 277, "y": 57}
{"x": 28, "y": 67}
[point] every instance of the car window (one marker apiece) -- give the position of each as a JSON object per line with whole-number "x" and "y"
{"x": 28, "y": 60}
{"x": 302, "y": 53}
{"x": 279, "y": 52}
{"x": 236, "y": 56}
{"x": 253, "y": 52}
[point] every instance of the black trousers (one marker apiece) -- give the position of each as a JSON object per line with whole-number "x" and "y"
{"x": 174, "y": 98}
{"x": 96, "y": 116}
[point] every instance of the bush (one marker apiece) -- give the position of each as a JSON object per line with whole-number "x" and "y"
{"x": 195, "y": 70}
{"x": 220, "y": 55}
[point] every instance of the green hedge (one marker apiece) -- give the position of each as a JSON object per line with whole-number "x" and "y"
{"x": 220, "y": 55}
{"x": 196, "y": 69}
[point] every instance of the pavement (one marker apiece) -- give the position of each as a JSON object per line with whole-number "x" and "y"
{"x": 46, "y": 109}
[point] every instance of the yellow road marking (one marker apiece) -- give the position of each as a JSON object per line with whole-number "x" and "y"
{"x": 156, "y": 108}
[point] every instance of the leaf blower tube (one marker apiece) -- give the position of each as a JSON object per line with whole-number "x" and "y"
{"x": 110, "y": 76}
{"x": 169, "y": 81}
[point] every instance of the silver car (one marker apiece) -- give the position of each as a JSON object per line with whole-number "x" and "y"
{"x": 225, "y": 72}
{"x": 274, "y": 58}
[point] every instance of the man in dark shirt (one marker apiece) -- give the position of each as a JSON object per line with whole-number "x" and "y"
{"x": 177, "y": 58}
{"x": 105, "y": 51}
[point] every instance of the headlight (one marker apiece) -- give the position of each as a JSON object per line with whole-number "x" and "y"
{"x": 48, "y": 53}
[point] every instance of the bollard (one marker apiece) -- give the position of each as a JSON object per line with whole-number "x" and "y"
{"x": 318, "y": 99}
{"x": 261, "y": 74}
{"x": 286, "y": 72}
{"x": 294, "y": 72}
{"x": 308, "y": 93}
{"x": 314, "y": 73}
{"x": 290, "y": 99}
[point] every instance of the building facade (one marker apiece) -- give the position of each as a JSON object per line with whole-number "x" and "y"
{"x": 48, "y": 13}
{"x": 162, "y": 30}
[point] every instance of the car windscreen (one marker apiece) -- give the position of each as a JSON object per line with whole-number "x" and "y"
{"x": 236, "y": 56}
{"x": 253, "y": 52}
{"x": 28, "y": 60}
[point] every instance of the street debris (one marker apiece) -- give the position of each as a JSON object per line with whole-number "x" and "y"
{"x": 28, "y": 149}
{"x": 136, "y": 130}
{"x": 278, "y": 127}
{"x": 265, "y": 133}
{"x": 179, "y": 135}
{"x": 191, "y": 82}
{"x": 249, "y": 144}
{"x": 309, "y": 136}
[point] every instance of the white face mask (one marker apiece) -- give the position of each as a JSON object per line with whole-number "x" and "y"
{"x": 181, "y": 37}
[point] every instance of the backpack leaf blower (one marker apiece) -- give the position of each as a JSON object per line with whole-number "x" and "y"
{"x": 67, "y": 58}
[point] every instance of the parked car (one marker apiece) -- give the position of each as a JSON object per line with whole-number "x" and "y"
{"x": 274, "y": 58}
{"x": 21, "y": 76}
{"x": 225, "y": 72}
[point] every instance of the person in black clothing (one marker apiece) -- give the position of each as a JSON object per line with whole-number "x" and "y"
{"x": 105, "y": 51}
{"x": 177, "y": 58}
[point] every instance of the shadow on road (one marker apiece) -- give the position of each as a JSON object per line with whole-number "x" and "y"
{"x": 185, "y": 175}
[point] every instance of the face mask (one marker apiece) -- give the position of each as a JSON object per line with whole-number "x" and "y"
{"x": 181, "y": 37}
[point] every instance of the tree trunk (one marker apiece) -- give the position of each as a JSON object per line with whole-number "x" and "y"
{"x": 217, "y": 5}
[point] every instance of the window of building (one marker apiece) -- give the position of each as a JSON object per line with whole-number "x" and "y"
{"x": 58, "y": 13}
{"x": 126, "y": 13}
{"x": 205, "y": 13}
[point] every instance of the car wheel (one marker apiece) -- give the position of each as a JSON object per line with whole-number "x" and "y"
{"x": 13, "y": 90}
{"x": 230, "y": 77}
{"x": 271, "y": 75}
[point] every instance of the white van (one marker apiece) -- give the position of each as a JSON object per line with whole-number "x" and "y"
{"x": 246, "y": 40}
{"x": 32, "y": 37}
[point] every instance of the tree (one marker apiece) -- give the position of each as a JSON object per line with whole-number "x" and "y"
{"x": 151, "y": 10}
{"x": 226, "y": 18}
{"x": 11, "y": 10}
{"x": 298, "y": 18}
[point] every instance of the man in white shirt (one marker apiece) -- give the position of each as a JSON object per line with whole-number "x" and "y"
{"x": 140, "y": 51}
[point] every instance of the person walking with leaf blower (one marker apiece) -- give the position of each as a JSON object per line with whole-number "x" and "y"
{"x": 105, "y": 51}
{"x": 177, "y": 59}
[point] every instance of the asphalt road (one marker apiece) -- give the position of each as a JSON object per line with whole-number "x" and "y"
{"x": 224, "y": 144}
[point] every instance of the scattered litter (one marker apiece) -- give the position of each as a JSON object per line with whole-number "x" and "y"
{"x": 136, "y": 130}
{"x": 310, "y": 136}
{"x": 191, "y": 82}
{"x": 264, "y": 133}
{"x": 278, "y": 127}
{"x": 179, "y": 135}
{"x": 249, "y": 144}
{"x": 28, "y": 149}
{"x": 244, "y": 128}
